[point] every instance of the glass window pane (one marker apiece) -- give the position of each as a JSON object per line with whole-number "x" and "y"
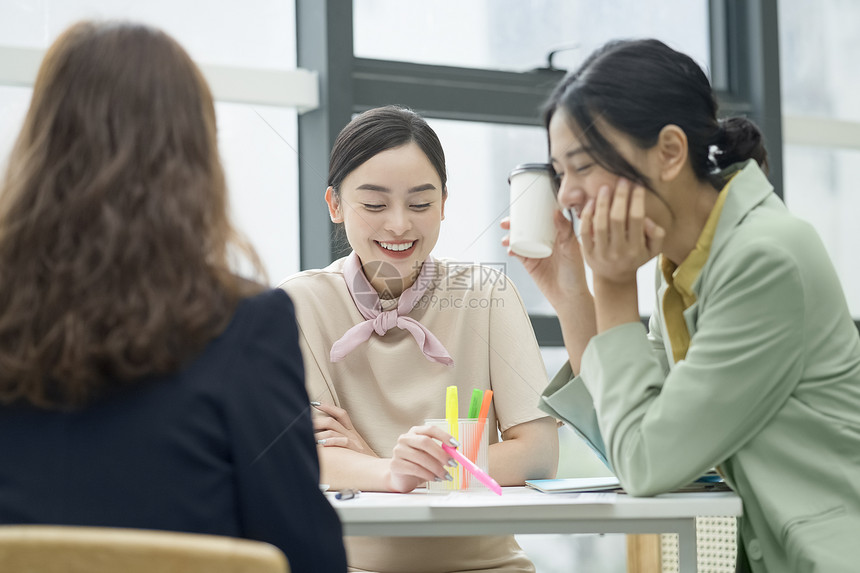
{"x": 259, "y": 159}
{"x": 516, "y": 35}
{"x": 261, "y": 169}
{"x": 480, "y": 156}
{"x": 258, "y": 148}
{"x": 14, "y": 102}
{"x": 820, "y": 187}
{"x": 252, "y": 33}
{"x": 818, "y": 52}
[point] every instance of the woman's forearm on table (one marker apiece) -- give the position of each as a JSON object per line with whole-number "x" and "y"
{"x": 344, "y": 468}
{"x": 529, "y": 451}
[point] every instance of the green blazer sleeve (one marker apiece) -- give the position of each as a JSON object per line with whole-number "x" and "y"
{"x": 567, "y": 398}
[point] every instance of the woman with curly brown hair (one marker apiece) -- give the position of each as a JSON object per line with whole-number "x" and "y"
{"x": 143, "y": 383}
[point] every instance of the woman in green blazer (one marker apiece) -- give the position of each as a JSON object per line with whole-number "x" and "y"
{"x": 751, "y": 362}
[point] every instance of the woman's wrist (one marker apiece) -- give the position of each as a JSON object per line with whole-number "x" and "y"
{"x": 578, "y": 324}
{"x": 573, "y": 301}
{"x": 615, "y": 302}
{"x": 386, "y": 478}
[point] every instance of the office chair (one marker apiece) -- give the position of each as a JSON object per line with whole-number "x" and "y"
{"x": 72, "y": 549}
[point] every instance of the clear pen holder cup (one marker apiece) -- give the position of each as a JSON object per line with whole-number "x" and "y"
{"x": 474, "y": 444}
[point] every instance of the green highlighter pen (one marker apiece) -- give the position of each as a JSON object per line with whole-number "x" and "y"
{"x": 475, "y": 405}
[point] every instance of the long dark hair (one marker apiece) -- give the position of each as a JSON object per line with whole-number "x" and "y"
{"x": 377, "y": 130}
{"x": 640, "y": 86}
{"x": 114, "y": 232}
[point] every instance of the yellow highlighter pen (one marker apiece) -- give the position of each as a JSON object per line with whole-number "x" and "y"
{"x": 452, "y": 414}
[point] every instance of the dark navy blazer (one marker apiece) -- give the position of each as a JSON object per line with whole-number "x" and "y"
{"x": 225, "y": 446}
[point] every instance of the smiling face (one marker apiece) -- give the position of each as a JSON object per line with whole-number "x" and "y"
{"x": 392, "y": 206}
{"x": 580, "y": 175}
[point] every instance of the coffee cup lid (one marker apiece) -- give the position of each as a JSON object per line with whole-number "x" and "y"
{"x": 523, "y": 167}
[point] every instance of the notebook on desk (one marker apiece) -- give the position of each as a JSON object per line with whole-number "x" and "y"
{"x": 574, "y": 485}
{"x": 708, "y": 482}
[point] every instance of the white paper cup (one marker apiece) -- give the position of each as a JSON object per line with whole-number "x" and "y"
{"x": 474, "y": 444}
{"x": 533, "y": 205}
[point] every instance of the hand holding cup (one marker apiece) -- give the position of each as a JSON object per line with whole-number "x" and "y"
{"x": 533, "y": 205}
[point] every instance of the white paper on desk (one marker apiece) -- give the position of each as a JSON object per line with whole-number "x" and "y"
{"x": 472, "y": 499}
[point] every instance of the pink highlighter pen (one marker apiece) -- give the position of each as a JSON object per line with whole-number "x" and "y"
{"x": 482, "y": 476}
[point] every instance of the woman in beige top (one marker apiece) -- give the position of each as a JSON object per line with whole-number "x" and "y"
{"x": 385, "y": 330}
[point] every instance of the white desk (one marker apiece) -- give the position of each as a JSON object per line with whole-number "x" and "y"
{"x": 523, "y": 510}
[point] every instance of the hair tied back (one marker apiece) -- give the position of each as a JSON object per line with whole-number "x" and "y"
{"x": 739, "y": 139}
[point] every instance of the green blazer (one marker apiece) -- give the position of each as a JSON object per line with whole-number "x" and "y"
{"x": 769, "y": 390}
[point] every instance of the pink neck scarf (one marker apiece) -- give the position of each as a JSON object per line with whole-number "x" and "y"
{"x": 379, "y": 321}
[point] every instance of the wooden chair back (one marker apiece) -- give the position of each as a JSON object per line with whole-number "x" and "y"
{"x": 72, "y": 549}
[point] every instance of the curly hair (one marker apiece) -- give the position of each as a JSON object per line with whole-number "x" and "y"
{"x": 115, "y": 240}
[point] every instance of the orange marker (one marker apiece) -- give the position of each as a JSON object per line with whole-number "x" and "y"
{"x": 482, "y": 419}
